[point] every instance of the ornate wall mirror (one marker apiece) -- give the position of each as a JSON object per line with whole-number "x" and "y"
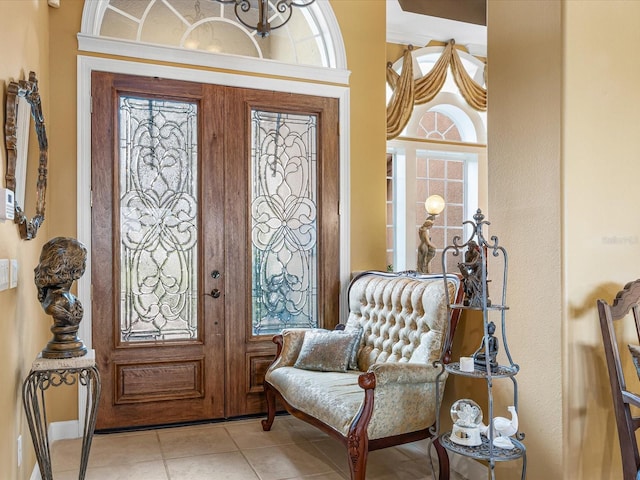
{"x": 23, "y": 104}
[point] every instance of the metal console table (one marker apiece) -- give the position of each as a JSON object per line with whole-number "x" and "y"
{"x": 49, "y": 372}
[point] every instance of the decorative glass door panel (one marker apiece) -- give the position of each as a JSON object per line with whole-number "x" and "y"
{"x": 158, "y": 219}
{"x": 214, "y": 224}
{"x": 284, "y": 214}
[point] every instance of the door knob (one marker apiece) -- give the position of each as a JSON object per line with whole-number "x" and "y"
{"x": 215, "y": 274}
{"x": 215, "y": 293}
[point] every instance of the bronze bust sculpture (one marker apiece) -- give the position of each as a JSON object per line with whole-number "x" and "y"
{"x": 62, "y": 261}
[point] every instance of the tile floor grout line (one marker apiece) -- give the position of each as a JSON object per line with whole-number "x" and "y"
{"x": 164, "y": 459}
{"x": 255, "y": 472}
{"x": 336, "y": 468}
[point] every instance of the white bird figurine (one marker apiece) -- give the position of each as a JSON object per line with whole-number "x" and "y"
{"x": 505, "y": 428}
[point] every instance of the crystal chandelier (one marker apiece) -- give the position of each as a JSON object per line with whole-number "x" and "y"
{"x": 264, "y": 27}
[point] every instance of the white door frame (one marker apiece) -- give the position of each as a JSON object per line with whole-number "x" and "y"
{"x": 88, "y": 64}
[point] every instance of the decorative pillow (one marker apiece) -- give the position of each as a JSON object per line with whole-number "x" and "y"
{"x": 327, "y": 351}
{"x": 353, "y": 360}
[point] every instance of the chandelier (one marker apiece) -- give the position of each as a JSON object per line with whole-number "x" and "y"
{"x": 264, "y": 27}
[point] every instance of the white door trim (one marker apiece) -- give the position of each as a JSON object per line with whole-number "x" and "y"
{"x": 88, "y": 64}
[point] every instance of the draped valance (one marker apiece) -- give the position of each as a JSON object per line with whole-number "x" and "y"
{"x": 408, "y": 92}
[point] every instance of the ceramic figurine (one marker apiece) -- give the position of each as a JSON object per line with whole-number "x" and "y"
{"x": 503, "y": 428}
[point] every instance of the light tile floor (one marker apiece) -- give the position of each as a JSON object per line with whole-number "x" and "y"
{"x": 234, "y": 450}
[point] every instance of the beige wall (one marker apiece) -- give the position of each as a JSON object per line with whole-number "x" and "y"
{"x": 563, "y": 137}
{"x": 364, "y": 34}
{"x": 525, "y": 204}
{"x": 24, "y": 34}
{"x": 601, "y": 169}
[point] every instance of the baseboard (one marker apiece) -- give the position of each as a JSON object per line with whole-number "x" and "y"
{"x": 64, "y": 430}
{"x": 58, "y": 431}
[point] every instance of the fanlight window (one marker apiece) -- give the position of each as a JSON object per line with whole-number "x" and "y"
{"x": 210, "y": 26}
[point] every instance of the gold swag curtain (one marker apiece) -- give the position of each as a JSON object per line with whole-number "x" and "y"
{"x": 407, "y": 92}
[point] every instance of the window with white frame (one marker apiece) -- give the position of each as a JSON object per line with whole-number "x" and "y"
{"x": 441, "y": 151}
{"x": 212, "y": 27}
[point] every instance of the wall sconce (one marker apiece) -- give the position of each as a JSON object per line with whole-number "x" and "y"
{"x": 264, "y": 27}
{"x": 434, "y": 205}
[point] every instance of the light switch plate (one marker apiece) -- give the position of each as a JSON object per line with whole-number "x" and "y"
{"x": 4, "y": 274}
{"x": 13, "y": 273}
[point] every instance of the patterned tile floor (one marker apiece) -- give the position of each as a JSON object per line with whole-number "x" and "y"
{"x": 234, "y": 450}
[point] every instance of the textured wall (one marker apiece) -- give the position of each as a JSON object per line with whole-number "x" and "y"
{"x": 24, "y": 35}
{"x": 525, "y": 210}
{"x": 602, "y": 232}
{"x": 363, "y": 31}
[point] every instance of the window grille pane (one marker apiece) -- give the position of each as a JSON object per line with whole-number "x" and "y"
{"x": 283, "y": 221}
{"x": 213, "y": 27}
{"x": 438, "y": 175}
{"x": 158, "y": 220}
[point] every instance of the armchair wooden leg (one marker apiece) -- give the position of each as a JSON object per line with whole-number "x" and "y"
{"x": 271, "y": 407}
{"x": 443, "y": 460}
{"x": 358, "y": 448}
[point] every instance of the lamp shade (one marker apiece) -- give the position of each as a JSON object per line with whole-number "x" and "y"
{"x": 434, "y": 204}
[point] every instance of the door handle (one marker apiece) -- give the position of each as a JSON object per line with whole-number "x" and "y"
{"x": 215, "y": 293}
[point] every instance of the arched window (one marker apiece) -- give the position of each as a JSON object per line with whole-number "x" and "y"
{"x": 441, "y": 151}
{"x": 435, "y": 125}
{"x": 207, "y": 33}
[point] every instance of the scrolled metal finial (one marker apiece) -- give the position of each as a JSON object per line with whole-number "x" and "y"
{"x": 494, "y": 246}
{"x": 62, "y": 261}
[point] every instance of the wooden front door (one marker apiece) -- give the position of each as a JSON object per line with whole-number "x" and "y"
{"x": 214, "y": 226}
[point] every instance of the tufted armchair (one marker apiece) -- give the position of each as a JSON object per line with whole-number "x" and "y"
{"x": 385, "y": 390}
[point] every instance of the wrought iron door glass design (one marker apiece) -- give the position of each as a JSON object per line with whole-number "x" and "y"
{"x": 158, "y": 219}
{"x": 283, "y": 221}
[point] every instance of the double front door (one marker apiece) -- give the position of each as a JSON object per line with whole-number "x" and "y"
{"x": 214, "y": 225}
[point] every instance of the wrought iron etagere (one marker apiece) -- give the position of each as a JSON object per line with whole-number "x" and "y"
{"x": 477, "y": 298}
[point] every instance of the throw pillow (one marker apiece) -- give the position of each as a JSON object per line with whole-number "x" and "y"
{"x": 353, "y": 360}
{"x": 327, "y": 351}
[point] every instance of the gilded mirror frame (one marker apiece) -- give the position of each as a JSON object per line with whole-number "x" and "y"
{"x": 27, "y": 89}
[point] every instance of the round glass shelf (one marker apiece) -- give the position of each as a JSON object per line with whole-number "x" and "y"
{"x": 484, "y": 451}
{"x": 468, "y": 307}
{"x": 501, "y": 372}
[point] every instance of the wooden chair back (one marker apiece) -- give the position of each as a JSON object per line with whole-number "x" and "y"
{"x": 626, "y": 301}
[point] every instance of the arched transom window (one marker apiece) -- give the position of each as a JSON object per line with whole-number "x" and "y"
{"x": 308, "y": 38}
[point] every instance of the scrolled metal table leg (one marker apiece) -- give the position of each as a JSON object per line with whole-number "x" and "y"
{"x": 90, "y": 378}
{"x": 33, "y": 398}
{"x": 39, "y": 380}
